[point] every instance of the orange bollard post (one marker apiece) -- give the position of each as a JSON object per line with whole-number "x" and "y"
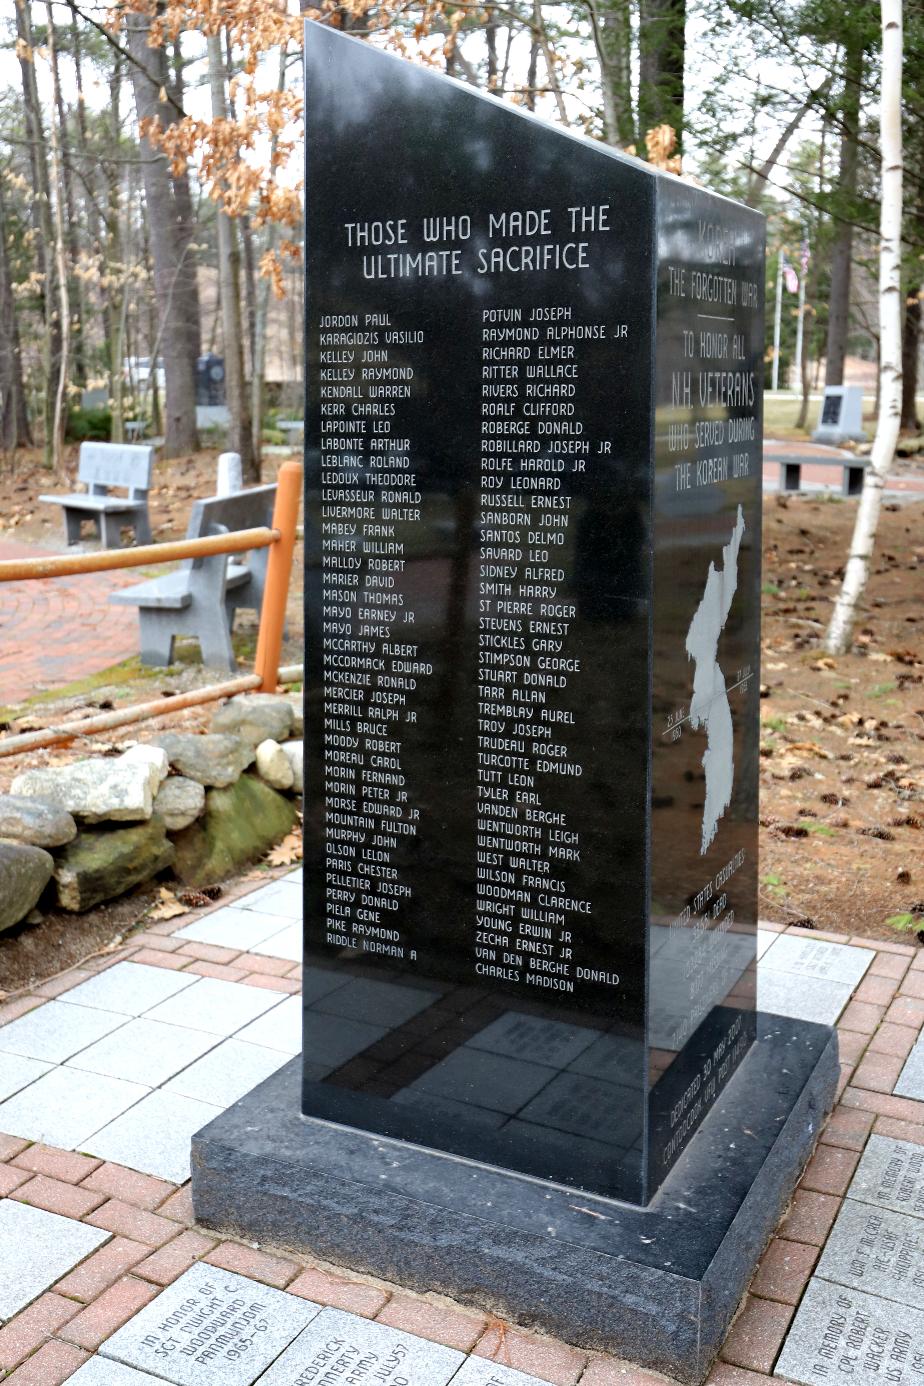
{"x": 278, "y": 574}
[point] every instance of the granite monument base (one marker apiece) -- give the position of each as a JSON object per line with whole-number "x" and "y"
{"x": 657, "y": 1285}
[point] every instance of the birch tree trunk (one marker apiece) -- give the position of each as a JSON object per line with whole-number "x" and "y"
{"x": 240, "y": 437}
{"x": 856, "y": 573}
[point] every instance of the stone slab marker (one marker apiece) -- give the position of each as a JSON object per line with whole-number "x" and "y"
{"x": 533, "y": 463}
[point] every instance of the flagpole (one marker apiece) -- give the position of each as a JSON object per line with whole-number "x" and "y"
{"x": 799, "y": 328}
{"x": 778, "y": 319}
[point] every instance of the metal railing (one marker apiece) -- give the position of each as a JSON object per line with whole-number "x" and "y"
{"x": 279, "y": 538}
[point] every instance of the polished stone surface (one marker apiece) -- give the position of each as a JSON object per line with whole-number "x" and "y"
{"x": 657, "y": 1286}
{"x": 65, "y": 1107}
{"x": 810, "y": 957}
{"x": 57, "y": 1030}
{"x": 211, "y": 1328}
{"x": 911, "y": 1078}
{"x": 840, "y": 1334}
{"x": 532, "y": 588}
{"x": 891, "y": 1175}
{"x": 130, "y": 988}
{"x": 154, "y": 1135}
{"x": 339, "y": 1346}
{"x": 36, "y": 1249}
{"x": 876, "y": 1251}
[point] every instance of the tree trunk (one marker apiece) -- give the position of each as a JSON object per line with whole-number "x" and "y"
{"x": 661, "y": 42}
{"x": 856, "y": 573}
{"x": 75, "y": 285}
{"x": 14, "y": 418}
{"x": 60, "y": 253}
{"x": 262, "y": 296}
{"x": 116, "y": 299}
{"x": 186, "y": 227}
{"x": 531, "y": 71}
{"x": 241, "y": 431}
{"x": 149, "y": 77}
{"x": 842, "y": 247}
{"x": 911, "y": 350}
{"x": 612, "y": 31}
{"x": 44, "y": 231}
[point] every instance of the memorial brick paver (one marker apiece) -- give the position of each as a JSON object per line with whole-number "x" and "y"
{"x": 36, "y": 1249}
{"x": 142, "y": 1229}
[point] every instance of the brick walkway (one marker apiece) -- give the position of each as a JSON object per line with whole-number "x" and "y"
{"x": 56, "y": 630}
{"x": 123, "y": 1191}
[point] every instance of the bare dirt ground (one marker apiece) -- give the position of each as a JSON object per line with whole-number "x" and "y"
{"x": 842, "y": 740}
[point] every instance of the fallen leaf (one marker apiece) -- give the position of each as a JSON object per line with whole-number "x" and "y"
{"x": 286, "y": 852}
{"x": 167, "y": 906}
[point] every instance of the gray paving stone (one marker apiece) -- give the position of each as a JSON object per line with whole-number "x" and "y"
{"x": 877, "y": 1251}
{"x": 287, "y": 943}
{"x": 154, "y": 1136}
{"x": 231, "y": 928}
{"x": 478, "y": 1371}
{"x": 485, "y": 1080}
{"x": 211, "y": 1328}
{"x": 102, "y": 1371}
{"x": 278, "y": 897}
{"x": 911, "y": 1080}
{"x": 57, "y": 1030}
{"x": 810, "y": 957}
{"x": 217, "y": 1007}
{"x": 36, "y": 1249}
{"x": 890, "y": 1175}
{"x": 130, "y": 988}
{"x": 17, "y": 1072}
{"x": 845, "y": 1335}
{"x": 65, "y": 1107}
{"x": 144, "y": 1051}
{"x": 227, "y": 1073}
{"x": 338, "y": 1346}
{"x": 764, "y": 939}
{"x": 800, "y": 997}
{"x": 520, "y": 1036}
{"x": 280, "y": 1028}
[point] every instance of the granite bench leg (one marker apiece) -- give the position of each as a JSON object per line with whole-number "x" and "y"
{"x": 142, "y": 524}
{"x": 73, "y": 526}
{"x": 215, "y": 643}
{"x": 111, "y": 532}
{"x": 157, "y": 637}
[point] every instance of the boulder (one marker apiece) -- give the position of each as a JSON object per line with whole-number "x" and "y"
{"x": 35, "y": 821}
{"x": 106, "y": 862}
{"x": 241, "y": 823}
{"x": 273, "y": 765}
{"x": 294, "y": 752}
{"x": 95, "y": 790}
{"x": 24, "y": 873}
{"x": 214, "y": 761}
{"x": 297, "y": 703}
{"x": 256, "y": 717}
{"x": 179, "y": 802}
{"x": 153, "y": 756}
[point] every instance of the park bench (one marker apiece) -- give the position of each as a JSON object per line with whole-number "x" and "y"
{"x": 200, "y": 598}
{"x": 101, "y": 467}
{"x": 291, "y": 429}
{"x": 790, "y": 470}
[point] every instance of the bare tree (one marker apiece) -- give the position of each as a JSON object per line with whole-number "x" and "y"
{"x": 14, "y": 418}
{"x": 888, "y": 423}
{"x": 168, "y": 247}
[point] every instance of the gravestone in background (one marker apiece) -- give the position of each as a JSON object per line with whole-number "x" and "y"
{"x": 840, "y": 419}
{"x": 533, "y": 456}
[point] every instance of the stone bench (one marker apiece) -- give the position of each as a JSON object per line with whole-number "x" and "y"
{"x": 103, "y": 466}
{"x": 790, "y": 470}
{"x": 201, "y": 597}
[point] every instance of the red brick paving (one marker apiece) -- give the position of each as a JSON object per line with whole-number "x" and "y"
{"x": 56, "y": 630}
{"x": 155, "y": 1242}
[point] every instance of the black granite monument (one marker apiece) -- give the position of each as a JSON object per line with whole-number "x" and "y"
{"x": 533, "y": 448}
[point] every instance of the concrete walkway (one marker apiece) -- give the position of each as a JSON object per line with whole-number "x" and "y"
{"x": 106, "y": 1281}
{"x": 56, "y": 630}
